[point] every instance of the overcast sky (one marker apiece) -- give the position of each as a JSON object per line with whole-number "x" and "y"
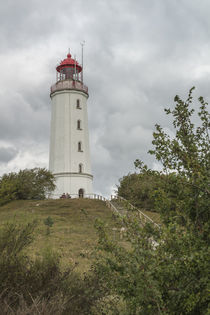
{"x": 138, "y": 55}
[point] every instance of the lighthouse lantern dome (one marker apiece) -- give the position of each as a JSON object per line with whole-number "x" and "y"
{"x": 68, "y": 68}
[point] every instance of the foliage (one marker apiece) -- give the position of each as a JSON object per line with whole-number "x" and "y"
{"x": 17, "y": 272}
{"x": 49, "y": 223}
{"x": 163, "y": 271}
{"x": 35, "y": 183}
{"x": 171, "y": 278}
{"x": 40, "y": 286}
{"x": 139, "y": 189}
{"x": 187, "y": 154}
{"x": 73, "y": 231}
{"x": 166, "y": 271}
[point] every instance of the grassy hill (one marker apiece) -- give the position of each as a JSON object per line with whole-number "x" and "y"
{"x": 72, "y": 235}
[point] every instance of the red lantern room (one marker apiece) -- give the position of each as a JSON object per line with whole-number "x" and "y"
{"x": 69, "y": 75}
{"x": 68, "y": 69}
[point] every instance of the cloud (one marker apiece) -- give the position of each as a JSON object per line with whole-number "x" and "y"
{"x": 138, "y": 55}
{"x": 7, "y": 154}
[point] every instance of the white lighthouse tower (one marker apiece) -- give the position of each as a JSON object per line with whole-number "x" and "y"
{"x": 69, "y": 139}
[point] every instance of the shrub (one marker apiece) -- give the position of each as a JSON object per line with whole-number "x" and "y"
{"x": 166, "y": 271}
{"x": 35, "y": 183}
{"x": 139, "y": 188}
{"x": 40, "y": 286}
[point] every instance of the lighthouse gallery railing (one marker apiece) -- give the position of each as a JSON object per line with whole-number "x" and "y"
{"x": 69, "y": 85}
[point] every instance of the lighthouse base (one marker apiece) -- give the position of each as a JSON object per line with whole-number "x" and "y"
{"x": 73, "y": 185}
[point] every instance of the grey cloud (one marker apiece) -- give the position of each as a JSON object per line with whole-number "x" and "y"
{"x": 20, "y": 122}
{"x": 7, "y": 154}
{"x": 24, "y": 21}
{"x": 138, "y": 56}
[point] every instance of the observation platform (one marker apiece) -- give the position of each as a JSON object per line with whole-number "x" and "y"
{"x": 69, "y": 85}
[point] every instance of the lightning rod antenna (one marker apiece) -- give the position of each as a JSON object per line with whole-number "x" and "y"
{"x": 82, "y": 45}
{"x": 75, "y": 72}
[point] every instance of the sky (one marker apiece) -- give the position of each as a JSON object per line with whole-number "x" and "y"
{"x": 138, "y": 55}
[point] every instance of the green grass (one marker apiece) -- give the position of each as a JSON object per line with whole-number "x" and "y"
{"x": 153, "y": 215}
{"x": 72, "y": 235}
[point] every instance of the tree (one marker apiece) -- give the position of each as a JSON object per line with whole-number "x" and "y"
{"x": 33, "y": 183}
{"x": 171, "y": 277}
{"x": 188, "y": 155}
{"x": 139, "y": 188}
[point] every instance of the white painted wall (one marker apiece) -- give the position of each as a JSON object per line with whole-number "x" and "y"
{"x": 64, "y": 138}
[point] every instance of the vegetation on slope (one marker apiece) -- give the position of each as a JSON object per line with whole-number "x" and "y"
{"x": 45, "y": 272}
{"x": 72, "y": 234}
{"x": 139, "y": 188}
{"x": 41, "y": 286}
{"x": 166, "y": 271}
{"x": 157, "y": 271}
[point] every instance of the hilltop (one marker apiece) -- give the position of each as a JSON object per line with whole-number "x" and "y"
{"x": 72, "y": 235}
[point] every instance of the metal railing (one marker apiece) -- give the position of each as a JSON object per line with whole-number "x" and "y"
{"x": 143, "y": 217}
{"x": 69, "y": 85}
{"x": 73, "y": 196}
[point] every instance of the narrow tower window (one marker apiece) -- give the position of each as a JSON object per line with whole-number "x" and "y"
{"x": 78, "y": 104}
{"x": 79, "y": 124}
{"x": 80, "y": 146}
{"x": 80, "y": 168}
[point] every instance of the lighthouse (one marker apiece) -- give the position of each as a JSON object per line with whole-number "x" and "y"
{"x": 69, "y": 138}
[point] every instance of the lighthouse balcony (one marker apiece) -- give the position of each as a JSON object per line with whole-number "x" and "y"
{"x": 69, "y": 85}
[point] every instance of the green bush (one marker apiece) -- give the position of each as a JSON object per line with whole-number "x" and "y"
{"x": 166, "y": 271}
{"x": 40, "y": 286}
{"x": 49, "y": 223}
{"x": 35, "y": 183}
{"x": 139, "y": 189}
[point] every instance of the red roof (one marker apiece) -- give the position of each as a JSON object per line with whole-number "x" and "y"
{"x": 69, "y": 63}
